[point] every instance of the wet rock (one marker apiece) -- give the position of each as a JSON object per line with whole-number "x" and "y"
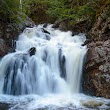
{"x": 97, "y": 69}
{"x": 45, "y": 25}
{"x": 86, "y": 42}
{"x": 45, "y": 31}
{"x": 4, "y": 106}
{"x": 91, "y": 103}
{"x": 27, "y": 22}
{"x": 47, "y": 37}
{"x": 32, "y": 51}
{"x": 62, "y": 62}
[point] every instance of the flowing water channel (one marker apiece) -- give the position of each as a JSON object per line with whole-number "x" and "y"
{"x": 45, "y": 72}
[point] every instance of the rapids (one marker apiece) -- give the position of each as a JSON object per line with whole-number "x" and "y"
{"x": 45, "y": 72}
{"x": 44, "y": 62}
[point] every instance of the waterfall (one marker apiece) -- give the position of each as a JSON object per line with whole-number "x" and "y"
{"x": 46, "y": 61}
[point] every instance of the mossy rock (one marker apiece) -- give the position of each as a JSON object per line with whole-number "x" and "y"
{"x": 92, "y": 103}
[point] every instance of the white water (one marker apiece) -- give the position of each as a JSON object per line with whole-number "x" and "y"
{"x": 56, "y": 66}
{"x": 53, "y": 73}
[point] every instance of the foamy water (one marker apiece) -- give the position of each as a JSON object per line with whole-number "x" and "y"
{"x": 45, "y": 72}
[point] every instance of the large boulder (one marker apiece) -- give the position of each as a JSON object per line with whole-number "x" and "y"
{"x": 96, "y": 77}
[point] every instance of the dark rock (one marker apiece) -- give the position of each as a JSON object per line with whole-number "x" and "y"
{"x": 74, "y": 33}
{"x": 96, "y": 78}
{"x": 86, "y": 42}
{"x": 45, "y": 25}
{"x": 9, "y": 33}
{"x": 62, "y": 24}
{"x": 4, "y": 106}
{"x": 32, "y": 51}
{"x": 44, "y": 58}
{"x": 45, "y": 31}
{"x": 82, "y": 26}
{"x": 48, "y": 37}
{"x": 62, "y": 62}
{"x": 4, "y": 49}
{"x": 56, "y": 24}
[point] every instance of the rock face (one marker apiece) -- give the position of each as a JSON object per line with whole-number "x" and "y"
{"x": 9, "y": 33}
{"x": 80, "y": 27}
{"x": 4, "y": 48}
{"x": 96, "y": 78}
{"x": 101, "y": 28}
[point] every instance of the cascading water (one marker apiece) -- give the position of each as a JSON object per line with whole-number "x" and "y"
{"x": 47, "y": 65}
{"x": 45, "y": 61}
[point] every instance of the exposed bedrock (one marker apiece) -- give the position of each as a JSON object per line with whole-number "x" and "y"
{"x": 96, "y": 77}
{"x": 9, "y": 33}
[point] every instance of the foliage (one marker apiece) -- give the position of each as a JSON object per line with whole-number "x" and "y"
{"x": 58, "y": 9}
{"x": 9, "y": 10}
{"x": 37, "y": 10}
